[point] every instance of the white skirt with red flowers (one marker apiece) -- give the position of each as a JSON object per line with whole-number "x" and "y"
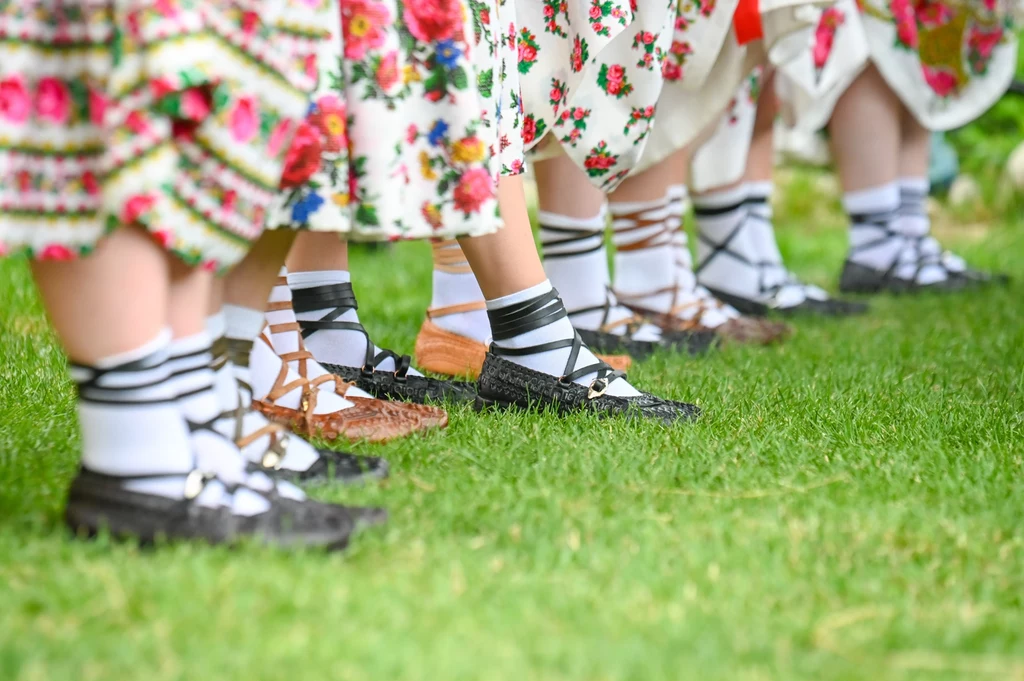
{"x": 416, "y": 116}
{"x": 947, "y": 60}
{"x": 173, "y": 115}
{"x": 592, "y": 73}
{"x": 694, "y": 101}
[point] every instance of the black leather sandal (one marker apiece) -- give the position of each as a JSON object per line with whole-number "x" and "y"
{"x": 393, "y": 385}
{"x": 767, "y": 301}
{"x": 604, "y": 340}
{"x": 857, "y": 278}
{"x": 504, "y": 384}
{"x": 99, "y": 502}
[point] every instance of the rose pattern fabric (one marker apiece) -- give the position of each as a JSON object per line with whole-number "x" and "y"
{"x": 947, "y": 60}
{"x": 178, "y": 125}
{"x": 955, "y": 41}
{"x": 416, "y": 115}
{"x": 593, "y": 77}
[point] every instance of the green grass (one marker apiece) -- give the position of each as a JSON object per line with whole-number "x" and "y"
{"x": 850, "y": 507}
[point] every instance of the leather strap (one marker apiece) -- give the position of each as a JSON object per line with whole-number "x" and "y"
{"x": 435, "y": 312}
{"x": 448, "y": 257}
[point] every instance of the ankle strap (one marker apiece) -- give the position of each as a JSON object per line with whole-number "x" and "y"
{"x": 535, "y": 313}
{"x": 448, "y": 257}
{"x": 661, "y": 237}
{"x": 321, "y": 297}
{"x": 574, "y": 237}
{"x": 473, "y": 306}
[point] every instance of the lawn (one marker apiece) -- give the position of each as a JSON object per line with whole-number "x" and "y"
{"x": 851, "y": 506}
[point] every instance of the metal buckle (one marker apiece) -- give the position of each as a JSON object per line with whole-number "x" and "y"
{"x": 366, "y": 371}
{"x": 592, "y": 392}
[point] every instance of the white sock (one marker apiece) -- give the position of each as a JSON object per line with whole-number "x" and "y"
{"x": 265, "y": 365}
{"x": 915, "y": 223}
{"x": 576, "y": 263}
{"x": 551, "y": 362}
{"x": 876, "y": 239}
{"x": 299, "y": 455}
{"x": 347, "y": 348}
{"x": 696, "y": 301}
{"x": 645, "y": 275}
{"x": 455, "y": 284}
{"x": 129, "y": 420}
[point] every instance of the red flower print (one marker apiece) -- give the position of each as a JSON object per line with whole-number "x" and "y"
{"x": 56, "y": 252}
{"x": 245, "y": 120}
{"x": 595, "y": 11}
{"x": 195, "y": 106}
{"x": 53, "y": 100}
{"x": 24, "y": 181}
{"x": 432, "y": 20}
{"x": 599, "y": 160}
{"x": 362, "y": 23}
{"x": 89, "y": 183}
{"x": 411, "y": 134}
{"x": 97, "y": 107}
{"x": 229, "y": 201}
{"x": 555, "y": 96}
{"x": 250, "y": 22}
{"x": 161, "y": 87}
{"x": 164, "y": 237}
{"x": 671, "y": 71}
{"x": 136, "y": 207}
{"x": 137, "y": 123}
{"x": 279, "y": 136}
{"x": 303, "y": 157}
{"x": 941, "y": 81}
{"x": 387, "y": 73}
{"x": 931, "y": 14}
{"x": 475, "y": 187}
{"x": 311, "y": 69}
{"x": 485, "y": 17}
{"x": 15, "y": 105}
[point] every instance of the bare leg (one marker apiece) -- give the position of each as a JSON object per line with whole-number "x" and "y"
{"x": 120, "y": 296}
{"x": 318, "y": 252}
{"x": 564, "y": 189}
{"x": 915, "y": 147}
{"x": 189, "y": 299}
{"x": 506, "y": 262}
{"x": 249, "y": 284}
{"x": 761, "y": 157}
{"x": 865, "y": 130}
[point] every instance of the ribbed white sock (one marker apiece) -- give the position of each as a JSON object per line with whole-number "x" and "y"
{"x": 347, "y": 348}
{"x": 576, "y": 263}
{"x": 129, "y": 420}
{"x": 551, "y": 362}
{"x": 640, "y": 274}
{"x": 455, "y": 284}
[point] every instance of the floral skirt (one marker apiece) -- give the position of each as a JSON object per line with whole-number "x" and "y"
{"x": 948, "y": 61}
{"x": 416, "y": 116}
{"x": 592, "y": 73}
{"x": 169, "y": 114}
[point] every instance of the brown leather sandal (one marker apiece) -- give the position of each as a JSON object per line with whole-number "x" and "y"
{"x": 367, "y": 419}
{"x": 442, "y": 352}
{"x": 421, "y": 414}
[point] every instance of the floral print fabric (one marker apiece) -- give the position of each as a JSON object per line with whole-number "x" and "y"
{"x": 172, "y": 114}
{"x": 592, "y": 74}
{"x": 948, "y": 61}
{"x": 416, "y": 115}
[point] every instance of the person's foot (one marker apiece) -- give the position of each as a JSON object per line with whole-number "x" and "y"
{"x": 446, "y": 352}
{"x": 209, "y": 509}
{"x": 384, "y": 374}
{"x": 311, "y": 405}
{"x": 740, "y": 264}
{"x": 538, "y": 359}
{"x": 891, "y": 247}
